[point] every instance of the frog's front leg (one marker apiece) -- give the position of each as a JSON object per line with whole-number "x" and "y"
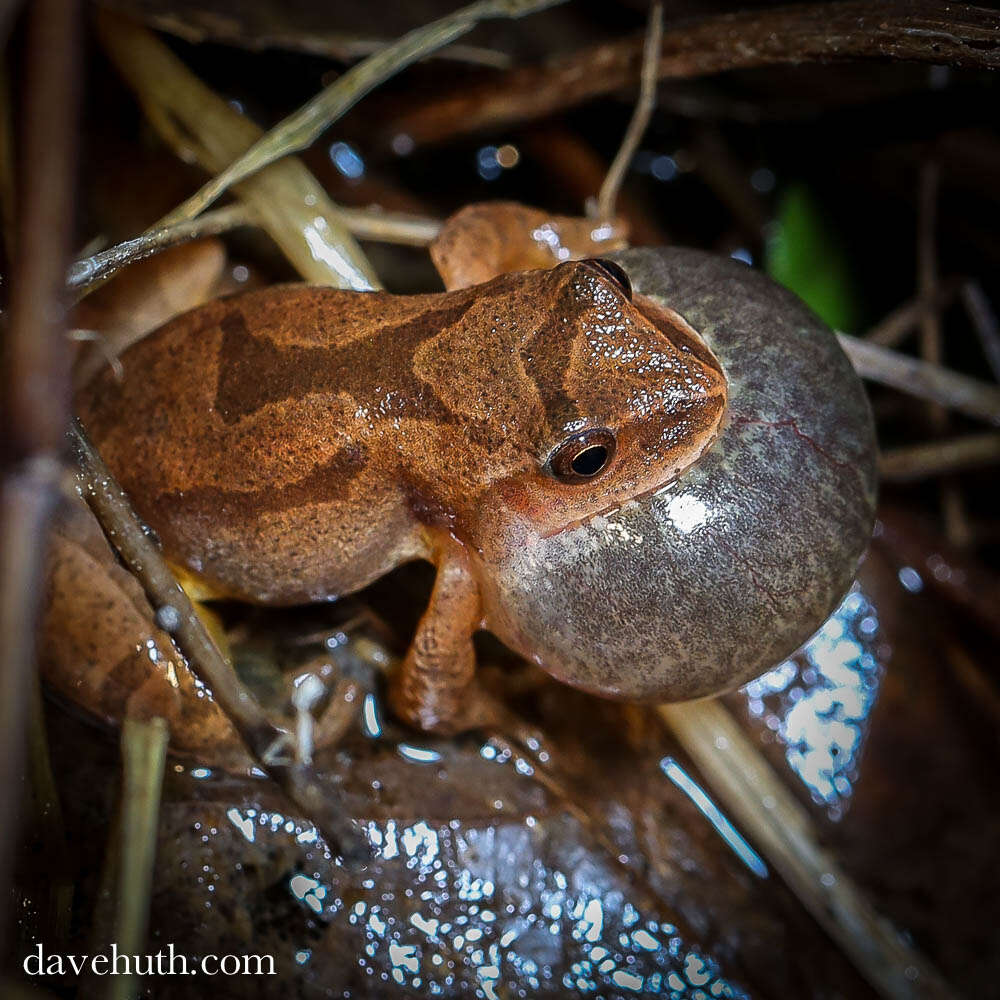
{"x": 434, "y": 688}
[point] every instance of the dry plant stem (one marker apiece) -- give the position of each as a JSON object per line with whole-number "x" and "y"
{"x": 34, "y": 395}
{"x": 608, "y": 194}
{"x": 954, "y": 577}
{"x": 340, "y": 45}
{"x": 985, "y": 322}
{"x": 780, "y": 827}
{"x": 579, "y": 170}
{"x": 955, "y": 34}
{"x": 264, "y": 740}
{"x": 927, "y": 281}
{"x": 894, "y": 328}
{"x": 365, "y": 223}
{"x": 8, "y": 200}
{"x": 926, "y": 381}
{"x": 144, "y": 752}
{"x": 299, "y": 130}
{"x": 937, "y": 458}
{"x": 287, "y": 201}
{"x": 390, "y": 227}
{"x": 952, "y": 503}
{"x": 86, "y": 273}
{"x": 979, "y": 684}
{"x": 49, "y": 818}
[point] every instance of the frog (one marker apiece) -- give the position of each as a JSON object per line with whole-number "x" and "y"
{"x": 650, "y": 472}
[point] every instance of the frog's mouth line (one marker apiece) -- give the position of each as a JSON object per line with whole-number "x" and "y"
{"x": 638, "y": 497}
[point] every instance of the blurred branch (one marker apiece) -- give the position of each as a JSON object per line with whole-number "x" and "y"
{"x": 8, "y": 195}
{"x": 49, "y": 820}
{"x": 923, "y": 380}
{"x": 931, "y": 347}
{"x": 927, "y": 276}
{"x": 34, "y": 395}
{"x": 144, "y": 752}
{"x": 952, "y": 34}
{"x": 197, "y": 26}
{"x": 98, "y": 267}
{"x": 781, "y": 828}
{"x": 176, "y": 615}
{"x": 950, "y": 572}
{"x": 365, "y": 223}
{"x": 892, "y": 330}
{"x": 300, "y": 129}
{"x": 378, "y": 226}
{"x": 936, "y": 458}
{"x": 286, "y": 200}
{"x": 644, "y": 107}
{"x": 984, "y": 321}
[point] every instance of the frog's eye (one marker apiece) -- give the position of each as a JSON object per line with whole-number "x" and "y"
{"x": 583, "y": 456}
{"x": 613, "y": 272}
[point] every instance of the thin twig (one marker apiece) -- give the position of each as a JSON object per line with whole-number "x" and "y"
{"x": 761, "y": 802}
{"x": 300, "y": 129}
{"x": 265, "y": 741}
{"x": 893, "y": 329}
{"x": 956, "y": 520}
{"x": 49, "y": 817}
{"x": 366, "y": 223}
{"x": 937, "y": 458}
{"x": 925, "y": 381}
{"x": 950, "y": 572}
{"x": 88, "y": 271}
{"x": 34, "y": 393}
{"x": 985, "y": 322}
{"x": 144, "y": 753}
{"x": 927, "y": 280}
{"x": 8, "y": 197}
{"x": 579, "y": 170}
{"x": 955, "y": 34}
{"x": 644, "y": 107}
{"x": 287, "y": 201}
{"x": 204, "y": 26}
{"x": 378, "y": 226}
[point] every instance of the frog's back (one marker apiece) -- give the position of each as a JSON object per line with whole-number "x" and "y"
{"x": 243, "y": 432}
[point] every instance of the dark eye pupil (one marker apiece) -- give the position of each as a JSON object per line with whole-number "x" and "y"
{"x": 583, "y": 456}
{"x": 590, "y": 461}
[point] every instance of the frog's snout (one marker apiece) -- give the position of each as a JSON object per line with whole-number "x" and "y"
{"x": 714, "y": 578}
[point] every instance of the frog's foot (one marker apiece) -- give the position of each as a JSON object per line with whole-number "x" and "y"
{"x": 434, "y": 688}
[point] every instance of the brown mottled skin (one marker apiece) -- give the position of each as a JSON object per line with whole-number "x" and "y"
{"x": 489, "y": 238}
{"x": 296, "y": 443}
{"x": 99, "y": 647}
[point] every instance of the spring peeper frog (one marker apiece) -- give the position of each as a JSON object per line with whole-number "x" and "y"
{"x": 650, "y": 473}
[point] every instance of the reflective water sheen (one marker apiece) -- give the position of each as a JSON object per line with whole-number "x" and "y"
{"x": 817, "y": 703}
{"x": 438, "y": 906}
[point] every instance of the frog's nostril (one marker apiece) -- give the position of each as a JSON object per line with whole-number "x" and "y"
{"x": 615, "y": 272}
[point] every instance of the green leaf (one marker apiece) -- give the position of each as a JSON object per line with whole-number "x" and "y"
{"x": 804, "y": 254}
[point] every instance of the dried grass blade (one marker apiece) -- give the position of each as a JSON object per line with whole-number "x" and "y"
{"x": 144, "y": 753}
{"x": 923, "y": 380}
{"x": 288, "y": 202}
{"x": 762, "y": 804}
{"x": 300, "y": 129}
